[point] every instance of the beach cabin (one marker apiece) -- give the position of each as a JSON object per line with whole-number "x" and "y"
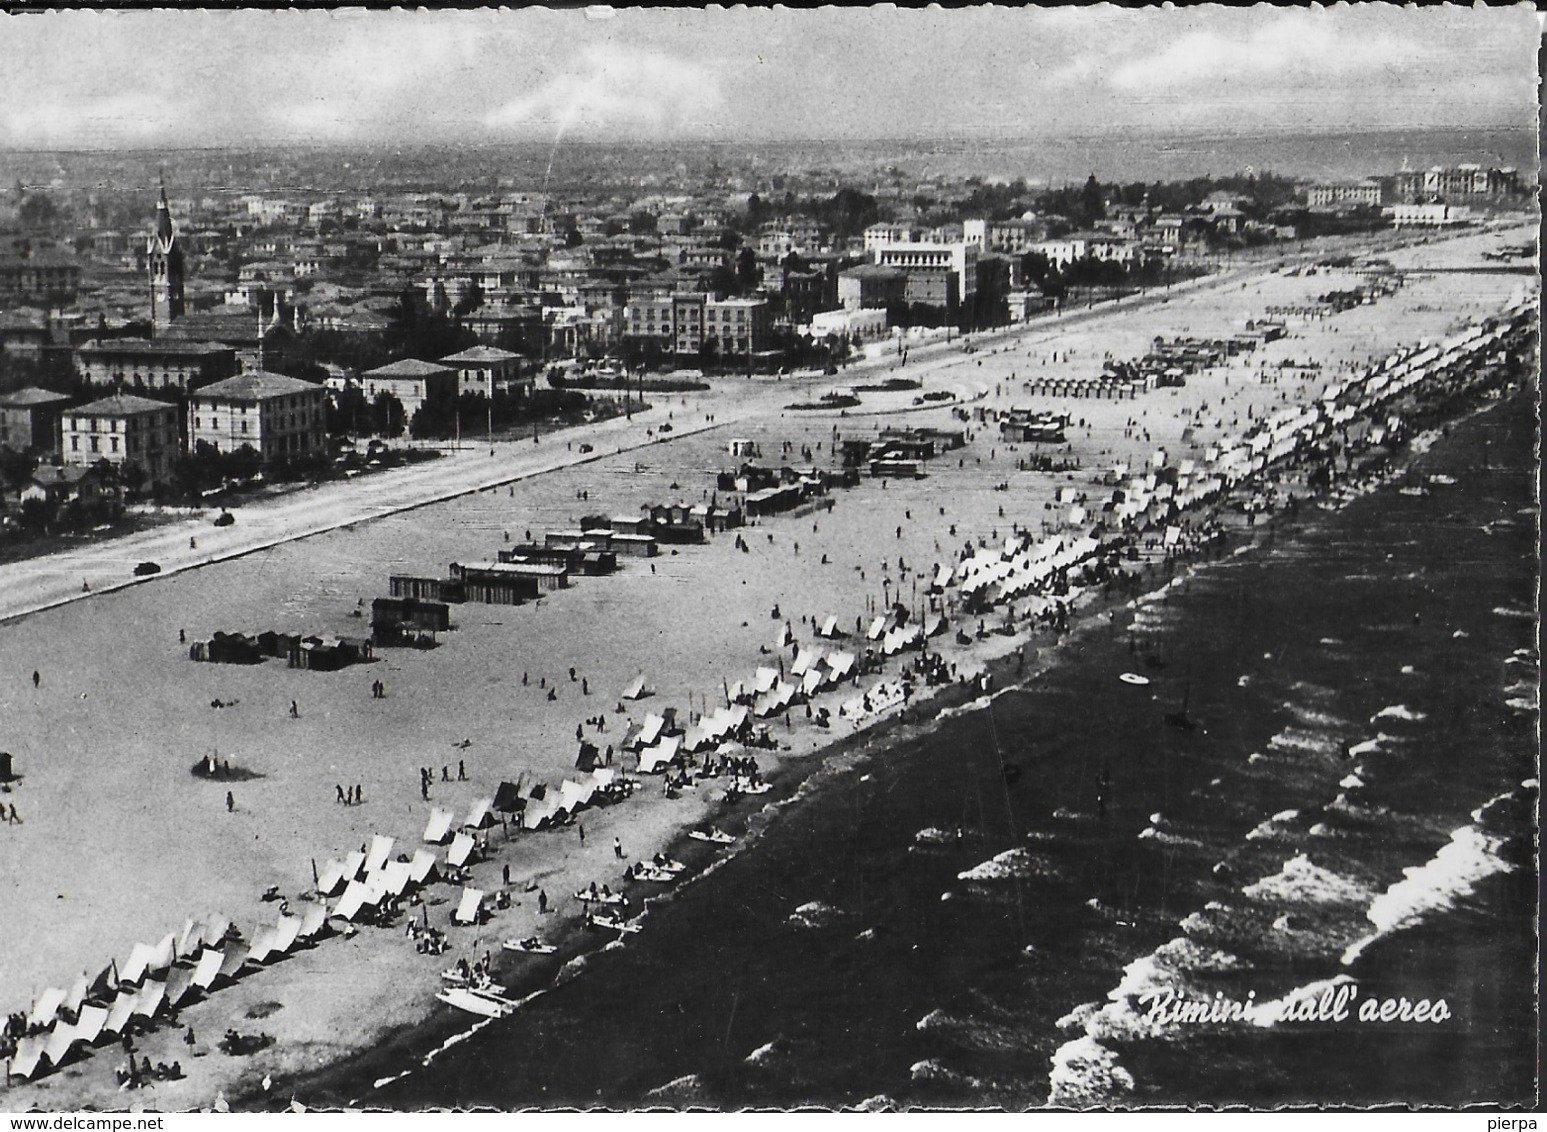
{"x": 497, "y": 583}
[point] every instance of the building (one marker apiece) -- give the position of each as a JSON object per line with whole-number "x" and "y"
{"x": 1470, "y": 180}
{"x": 412, "y": 382}
{"x": 165, "y": 363}
{"x": 29, "y": 419}
{"x": 868, "y": 287}
{"x": 126, "y": 431}
{"x": 1010, "y": 237}
{"x": 278, "y": 417}
{"x": 487, "y": 370}
{"x": 925, "y": 263}
{"x": 1427, "y": 215}
{"x": 39, "y": 277}
{"x": 1343, "y": 194}
{"x": 164, "y": 266}
{"x": 738, "y": 327}
{"x": 883, "y": 233}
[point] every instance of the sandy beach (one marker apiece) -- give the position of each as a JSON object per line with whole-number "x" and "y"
{"x": 119, "y": 843}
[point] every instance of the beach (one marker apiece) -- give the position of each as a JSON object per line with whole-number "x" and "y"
{"x": 119, "y": 843}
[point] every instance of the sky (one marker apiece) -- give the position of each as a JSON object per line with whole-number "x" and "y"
{"x": 71, "y": 79}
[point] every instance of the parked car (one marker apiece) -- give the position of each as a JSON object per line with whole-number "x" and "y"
{"x": 224, "y": 519}
{"x": 146, "y": 569}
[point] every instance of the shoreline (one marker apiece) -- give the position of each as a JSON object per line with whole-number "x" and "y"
{"x": 409, "y": 1041}
{"x": 663, "y": 822}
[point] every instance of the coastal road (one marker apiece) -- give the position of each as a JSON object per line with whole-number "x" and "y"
{"x": 97, "y": 567}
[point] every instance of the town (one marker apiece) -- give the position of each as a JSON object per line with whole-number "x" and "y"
{"x": 169, "y": 343}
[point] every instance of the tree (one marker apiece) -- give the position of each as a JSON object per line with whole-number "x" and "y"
{"x": 746, "y": 269}
{"x": 388, "y": 415}
{"x": 36, "y": 515}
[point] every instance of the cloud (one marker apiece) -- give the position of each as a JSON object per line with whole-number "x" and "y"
{"x": 130, "y": 118}
{"x": 615, "y": 90}
{"x": 1294, "y": 45}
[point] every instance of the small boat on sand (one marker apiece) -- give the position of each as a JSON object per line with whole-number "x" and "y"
{"x": 714, "y": 836}
{"x": 531, "y": 946}
{"x": 486, "y": 1006}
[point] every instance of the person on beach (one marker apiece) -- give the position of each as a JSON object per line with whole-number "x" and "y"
{"x": 295, "y": 711}
{"x": 339, "y": 789}
{"x": 617, "y": 848}
{"x": 461, "y": 770}
{"x": 36, "y": 678}
{"x": 230, "y": 803}
{"x": 582, "y": 834}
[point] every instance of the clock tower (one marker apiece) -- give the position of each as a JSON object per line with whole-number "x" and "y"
{"x": 164, "y": 262}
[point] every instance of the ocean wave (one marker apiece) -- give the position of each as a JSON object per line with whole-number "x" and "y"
{"x": 1347, "y": 807}
{"x": 932, "y": 1072}
{"x": 1302, "y": 882}
{"x": 816, "y": 914}
{"x": 1311, "y": 717}
{"x": 1012, "y": 864}
{"x": 1451, "y": 874}
{"x": 974, "y": 1033}
{"x": 1301, "y": 741}
{"x": 1269, "y": 1013}
{"x": 1508, "y": 611}
{"x": 933, "y": 837}
{"x": 1368, "y": 747}
{"x": 1085, "y": 1074}
{"x": 1322, "y": 829}
{"x": 688, "y": 1088}
{"x": 1273, "y": 826}
{"x": 1399, "y": 711}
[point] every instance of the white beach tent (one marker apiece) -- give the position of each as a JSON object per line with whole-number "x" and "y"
{"x": 468, "y": 906}
{"x": 573, "y": 795}
{"x": 481, "y": 816}
{"x": 636, "y": 689}
{"x": 437, "y": 830}
{"x": 191, "y": 939}
{"x": 215, "y": 929}
{"x": 651, "y": 729}
{"x": 88, "y": 1027}
{"x": 180, "y": 987}
{"x": 264, "y": 944}
{"x": 460, "y": 850}
{"x": 45, "y": 1008}
{"x": 313, "y": 922}
{"x": 27, "y": 1062}
{"x": 356, "y": 897}
{"x": 829, "y": 627}
{"x": 287, "y": 929}
{"x": 803, "y": 661}
{"x": 133, "y": 969}
{"x": 208, "y": 967}
{"x": 765, "y": 678}
{"x": 120, "y": 1014}
{"x": 76, "y": 997}
{"x": 151, "y": 1000}
{"x": 877, "y": 627}
{"x": 331, "y": 880}
{"x": 422, "y": 870}
{"x": 381, "y": 849}
{"x": 655, "y": 758}
{"x": 59, "y": 1044}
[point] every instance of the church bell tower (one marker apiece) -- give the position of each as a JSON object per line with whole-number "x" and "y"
{"x": 164, "y": 262}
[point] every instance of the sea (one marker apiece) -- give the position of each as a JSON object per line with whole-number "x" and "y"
{"x": 1327, "y": 782}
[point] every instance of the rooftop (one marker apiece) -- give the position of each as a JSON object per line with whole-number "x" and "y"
{"x": 179, "y": 347}
{"x": 123, "y": 405}
{"x": 255, "y": 385}
{"x": 408, "y": 367}
{"x": 476, "y": 354}
{"x": 25, "y": 398}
